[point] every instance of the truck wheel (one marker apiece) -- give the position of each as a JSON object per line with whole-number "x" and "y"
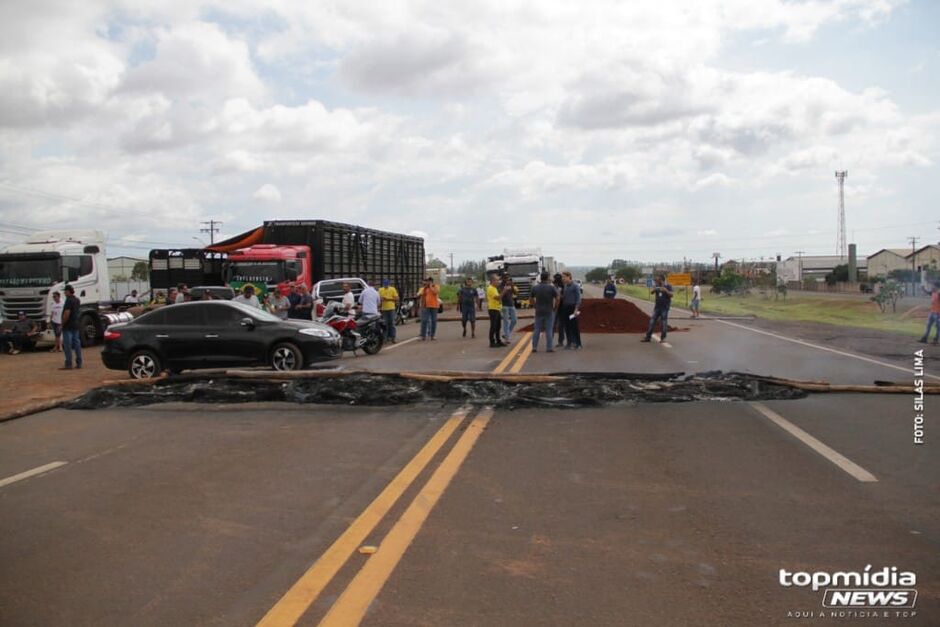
{"x": 144, "y": 365}
{"x": 286, "y": 357}
{"x": 89, "y": 329}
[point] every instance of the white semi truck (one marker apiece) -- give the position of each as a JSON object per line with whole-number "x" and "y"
{"x": 30, "y": 272}
{"x": 524, "y": 266}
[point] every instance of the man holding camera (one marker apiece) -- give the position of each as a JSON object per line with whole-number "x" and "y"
{"x": 663, "y": 294}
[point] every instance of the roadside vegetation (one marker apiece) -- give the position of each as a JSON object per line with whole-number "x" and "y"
{"x": 847, "y": 311}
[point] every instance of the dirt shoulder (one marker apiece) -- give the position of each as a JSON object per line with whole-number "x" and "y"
{"x": 34, "y": 377}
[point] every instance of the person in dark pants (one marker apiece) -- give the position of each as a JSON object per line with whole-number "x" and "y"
{"x": 23, "y": 331}
{"x": 494, "y": 305}
{"x": 467, "y": 299}
{"x": 570, "y": 309}
{"x": 559, "y": 321}
{"x": 71, "y": 328}
{"x": 545, "y": 297}
{"x": 610, "y": 290}
{"x": 663, "y": 293}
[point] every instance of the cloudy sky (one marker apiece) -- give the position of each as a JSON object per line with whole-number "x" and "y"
{"x": 638, "y": 130}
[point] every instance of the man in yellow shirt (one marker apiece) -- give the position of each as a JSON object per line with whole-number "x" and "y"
{"x": 495, "y": 306}
{"x": 390, "y": 301}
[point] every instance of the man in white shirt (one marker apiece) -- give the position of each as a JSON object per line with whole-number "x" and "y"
{"x": 369, "y": 300}
{"x": 132, "y": 299}
{"x": 696, "y": 300}
{"x": 55, "y": 319}
{"x": 349, "y": 299}
{"x": 247, "y": 297}
{"x": 280, "y": 305}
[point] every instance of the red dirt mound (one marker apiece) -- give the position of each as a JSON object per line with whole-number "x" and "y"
{"x": 601, "y": 315}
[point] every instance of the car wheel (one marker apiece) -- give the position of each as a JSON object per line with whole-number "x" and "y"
{"x": 144, "y": 365}
{"x": 286, "y": 357}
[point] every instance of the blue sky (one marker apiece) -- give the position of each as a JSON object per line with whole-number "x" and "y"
{"x": 609, "y": 130}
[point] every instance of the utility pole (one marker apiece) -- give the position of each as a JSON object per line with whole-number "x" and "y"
{"x": 211, "y": 229}
{"x": 799, "y": 255}
{"x": 717, "y": 256}
{"x": 913, "y": 241}
{"x": 452, "y": 263}
{"x": 840, "y": 238}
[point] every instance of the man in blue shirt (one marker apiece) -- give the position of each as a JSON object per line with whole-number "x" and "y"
{"x": 610, "y": 290}
{"x": 663, "y": 293}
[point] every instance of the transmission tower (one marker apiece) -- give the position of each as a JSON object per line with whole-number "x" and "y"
{"x": 841, "y": 245}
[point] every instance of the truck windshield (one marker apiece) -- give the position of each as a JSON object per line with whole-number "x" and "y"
{"x": 523, "y": 269}
{"x": 29, "y": 272}
{"x": 256, "y": 271}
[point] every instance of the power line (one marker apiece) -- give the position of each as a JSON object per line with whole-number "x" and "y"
{"x": 211, "y": 229}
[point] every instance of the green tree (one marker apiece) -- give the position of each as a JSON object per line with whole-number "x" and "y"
{"x": 628, "y": 273}
{"x": 839, "y": 274}
{"x": 140, "y": 271}
{"x": 597, "y": 274}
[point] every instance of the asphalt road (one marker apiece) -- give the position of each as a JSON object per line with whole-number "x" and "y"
{"x": 654, "y": 514}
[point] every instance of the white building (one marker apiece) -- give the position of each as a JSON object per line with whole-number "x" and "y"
{"x": 813, "y": 267}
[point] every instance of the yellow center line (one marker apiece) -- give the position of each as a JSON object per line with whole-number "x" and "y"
{"x": 353, "y": 603}
{"x": 296, "y": 601}
{"x": 523, "y": 340}
{"x": 517, "y": 367}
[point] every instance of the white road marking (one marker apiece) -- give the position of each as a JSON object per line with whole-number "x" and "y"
{"x": 397, "y": 344}
{"x": 31, "y": 473}
{"x": 909, "y": 371}
{"x": 836, "y": 458}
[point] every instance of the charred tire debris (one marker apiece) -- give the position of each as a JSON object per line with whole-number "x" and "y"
{"x": 560, "y": 390}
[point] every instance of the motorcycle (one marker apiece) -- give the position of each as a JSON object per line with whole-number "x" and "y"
{"x": 405, "y": 311}
{"x": 364, "y": 332}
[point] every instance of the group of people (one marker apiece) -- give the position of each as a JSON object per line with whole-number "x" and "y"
{"x": 65, "y": 322}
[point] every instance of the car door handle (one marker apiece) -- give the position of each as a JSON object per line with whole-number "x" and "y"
{"x": 162, "y": 335}
{"x": 212, "y": 335}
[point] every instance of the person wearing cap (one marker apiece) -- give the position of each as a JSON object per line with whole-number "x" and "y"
{"x": 390, "y": 303}
{"x": 247, "y": 297}
{"x": 22, "y": 331}
{"x": 71, "y": 329}
{"x": 429, "y": 300}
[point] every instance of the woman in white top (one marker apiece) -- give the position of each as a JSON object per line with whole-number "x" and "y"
{"x": 55, "y": 319}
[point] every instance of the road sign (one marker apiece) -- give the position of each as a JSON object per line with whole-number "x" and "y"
{"x": 679, "y": 279}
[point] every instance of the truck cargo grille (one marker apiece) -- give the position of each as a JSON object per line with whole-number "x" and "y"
{"x": 32, "y": 305}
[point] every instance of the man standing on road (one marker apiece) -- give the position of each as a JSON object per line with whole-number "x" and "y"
{"x": 467, "y": 301}
{"x": 494, "y": 306}
{"x": 247, "y": 297}
{"x": 663, "y": 292}
{"x": 696, "y": 299}
{"x": 71, "y": 328}
{"x": 610, "y": 290}
{"x": 390, "y": 304}
{"x": 280, "y": 304}
{"x": 55, "y": 320}
{"x": 570, "y": 310}
{"x": 934, "y": 316}
{"x": 545, "y": 297}
{"x": 369, "y": 300}
{"x": 429, "y": 301}
{"x": 508, "y": 297}
{"x": 559, "y": 284}
{"x": 303, "y": 310}
{"x": 481, "y": 298}
{"x": 182, "y": 293}
{"x": 293, "y": 299}
{"x": 349, "y": 299}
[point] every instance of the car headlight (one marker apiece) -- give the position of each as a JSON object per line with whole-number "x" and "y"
{"x": 324, "y": 333}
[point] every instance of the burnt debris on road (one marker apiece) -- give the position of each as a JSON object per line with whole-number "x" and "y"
{"x": 374, "y": 389}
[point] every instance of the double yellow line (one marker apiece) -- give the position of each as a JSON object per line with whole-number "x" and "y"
{"x": 350, "y": 608}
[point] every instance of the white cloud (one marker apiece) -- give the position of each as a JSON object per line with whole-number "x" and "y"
{"x": 267, "y": 193}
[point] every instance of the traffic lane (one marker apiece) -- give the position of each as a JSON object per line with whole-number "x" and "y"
{"x": 876, "y": 432}
{"x": 711, "y": 345}
{"x": 666, "y": 514}
{"x": 209, "y": 518}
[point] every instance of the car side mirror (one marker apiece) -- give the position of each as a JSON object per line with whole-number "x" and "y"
{"x": 248, "y": 323}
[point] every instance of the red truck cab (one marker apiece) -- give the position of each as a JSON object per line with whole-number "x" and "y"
{"x": 269, "y": 267}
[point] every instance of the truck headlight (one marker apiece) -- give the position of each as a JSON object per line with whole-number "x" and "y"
{"x": 324, "y": 333}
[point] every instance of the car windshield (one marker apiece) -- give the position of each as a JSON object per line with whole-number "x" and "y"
{"x": 523, "y": 269}
{"x": 254, "y": 312}
{"x": 29, "y": 272}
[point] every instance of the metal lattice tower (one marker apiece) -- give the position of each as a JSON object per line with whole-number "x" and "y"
{"x": 841, "y": 244}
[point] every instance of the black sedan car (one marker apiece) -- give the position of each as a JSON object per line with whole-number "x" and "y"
{"x": 212, "y": 334}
